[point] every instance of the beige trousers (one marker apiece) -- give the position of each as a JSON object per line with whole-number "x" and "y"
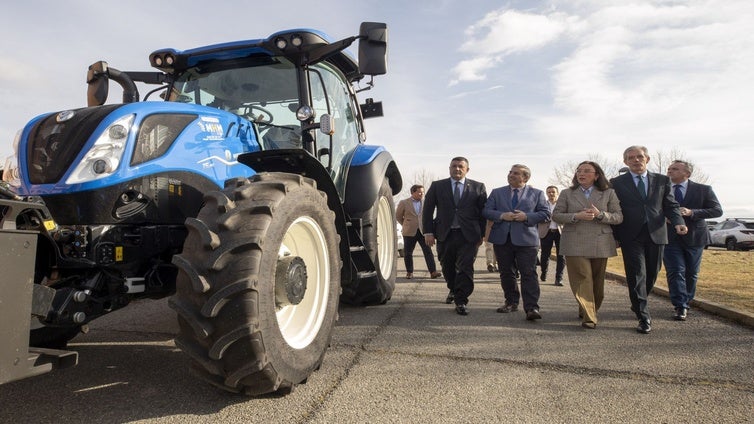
{"x": 587, "y": 279}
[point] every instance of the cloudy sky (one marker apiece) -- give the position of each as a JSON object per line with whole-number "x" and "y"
{"x": 543, "y": 83}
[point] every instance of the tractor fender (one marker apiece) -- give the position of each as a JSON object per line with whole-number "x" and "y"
{"x": 370, "y": 166}
{"x": 300, "y": 162}
{"x": 295, "y": 161}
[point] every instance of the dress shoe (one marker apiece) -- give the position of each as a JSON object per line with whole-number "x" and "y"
{"x": 680, "y": 314}
{"x": 543, "y": 277}
{"x": 508, "y": 308}
{"x": 533, "y": 314}
{"x": 436, "y": 274}
{"x": 589, "y": 325}
{"x": 409, "y": 275}
{"x": 490, "y": 268}
{"x": 644, "y": 327}
{"x": 558, "y": 282}
{"x": 462, "y": 309}
{"x": 450, "y": 298}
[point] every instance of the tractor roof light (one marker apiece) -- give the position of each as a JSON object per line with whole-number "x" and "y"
{"x": 164, "y": 60}
{"x": 297, "y": 40}
{"x": 281, "y": 43}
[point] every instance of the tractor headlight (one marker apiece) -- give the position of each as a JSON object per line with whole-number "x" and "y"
{"x": 105, "y": 155}
{"x": 10, "y": 169}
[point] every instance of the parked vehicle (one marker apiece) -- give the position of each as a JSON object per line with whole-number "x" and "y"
{"x": 733, "y": 234}
{"x": 399, "y": 238}
{"x": 248, "y": 196}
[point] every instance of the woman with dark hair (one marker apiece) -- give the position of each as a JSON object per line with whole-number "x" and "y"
{"x": 587, "y": 210}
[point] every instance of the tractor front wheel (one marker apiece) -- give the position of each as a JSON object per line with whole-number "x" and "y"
{"x": 257, "y": 295}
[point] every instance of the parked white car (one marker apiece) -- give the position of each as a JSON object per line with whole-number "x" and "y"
{"x": 401, "y": 250}
{"x": 733, "y": 234}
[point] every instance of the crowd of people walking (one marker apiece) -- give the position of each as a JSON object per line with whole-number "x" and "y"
{"x": 652, "y": 218}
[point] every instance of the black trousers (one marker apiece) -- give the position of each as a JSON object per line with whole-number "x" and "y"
{"x": 510, "y": 256}
{"x": 552, "y": 238}
{"x": 642, "y": 259}
{"x": 457, "y": 256}
{"x": 409, "y": 243}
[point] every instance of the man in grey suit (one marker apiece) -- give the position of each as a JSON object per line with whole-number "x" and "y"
{"x": 458, "y": 229}
{"x": 683, "y": 254}
{"x": 515, "y": 210}
{"x": 647, "y": 201}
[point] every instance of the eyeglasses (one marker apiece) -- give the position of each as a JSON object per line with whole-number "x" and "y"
{"x": 585, "y": 171}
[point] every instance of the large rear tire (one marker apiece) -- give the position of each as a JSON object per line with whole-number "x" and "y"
{"x": 379, "y": 236}
{"x": 244, "y": 329}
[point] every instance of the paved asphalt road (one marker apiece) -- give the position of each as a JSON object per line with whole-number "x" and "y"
{"x": 414, "y": 360}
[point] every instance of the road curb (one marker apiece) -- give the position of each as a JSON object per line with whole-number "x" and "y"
{"x": 740, "y": 317}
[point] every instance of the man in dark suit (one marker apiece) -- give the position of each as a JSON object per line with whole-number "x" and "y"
{"x": 458, "y": 228}
{"x": 646, "y": 200}
{"x": 683, "y": 254}
{"x": 516, "y": 210}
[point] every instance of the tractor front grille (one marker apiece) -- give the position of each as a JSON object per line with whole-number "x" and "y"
{"x": 55, "y": 143}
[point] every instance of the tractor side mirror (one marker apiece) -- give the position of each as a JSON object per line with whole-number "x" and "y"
{"x": 98, "y": 80}
{"x": 373, "y": 48}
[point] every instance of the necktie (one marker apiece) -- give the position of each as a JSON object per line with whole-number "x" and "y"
{"x": 677, "y": 193}
{"x": 514, "y": 200}
{"x": 642, "y": 188}
{"x": 457, "y": 193}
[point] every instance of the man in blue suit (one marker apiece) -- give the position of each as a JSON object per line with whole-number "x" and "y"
{"x": 683, "y": 254}
{"x": 515, "y": 210}
{"x": 452, "y": 216}
{"x": 646, "y": 200}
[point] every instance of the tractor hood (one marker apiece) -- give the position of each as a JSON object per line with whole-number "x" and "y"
{"x": 94, "y": 147}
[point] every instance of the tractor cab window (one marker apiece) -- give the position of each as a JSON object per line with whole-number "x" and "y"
{"x": 264, "y": 93}
{"x": 331, "y": 95}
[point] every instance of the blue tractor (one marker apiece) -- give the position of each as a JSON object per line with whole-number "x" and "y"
{"x": 244, "y": 191}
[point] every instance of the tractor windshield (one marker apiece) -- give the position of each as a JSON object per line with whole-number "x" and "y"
{"x": 264, "y": 93}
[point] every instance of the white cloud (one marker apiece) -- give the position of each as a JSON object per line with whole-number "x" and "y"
{"x": 473, "y": 92}
{"x": 473, "y": 69}
{"x": 501, "y": 33}
{"x": 643, "y": 60}
{"x": 508, "y": 31}
{"x": 611, "y": 74}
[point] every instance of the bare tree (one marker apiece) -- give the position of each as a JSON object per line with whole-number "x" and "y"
{"x": 661, "y": 160}
{"x": 564, "y": 173}
{"x": 422, "y": 177}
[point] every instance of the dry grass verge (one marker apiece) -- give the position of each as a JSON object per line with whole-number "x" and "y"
{"x": 726, "y": 278}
